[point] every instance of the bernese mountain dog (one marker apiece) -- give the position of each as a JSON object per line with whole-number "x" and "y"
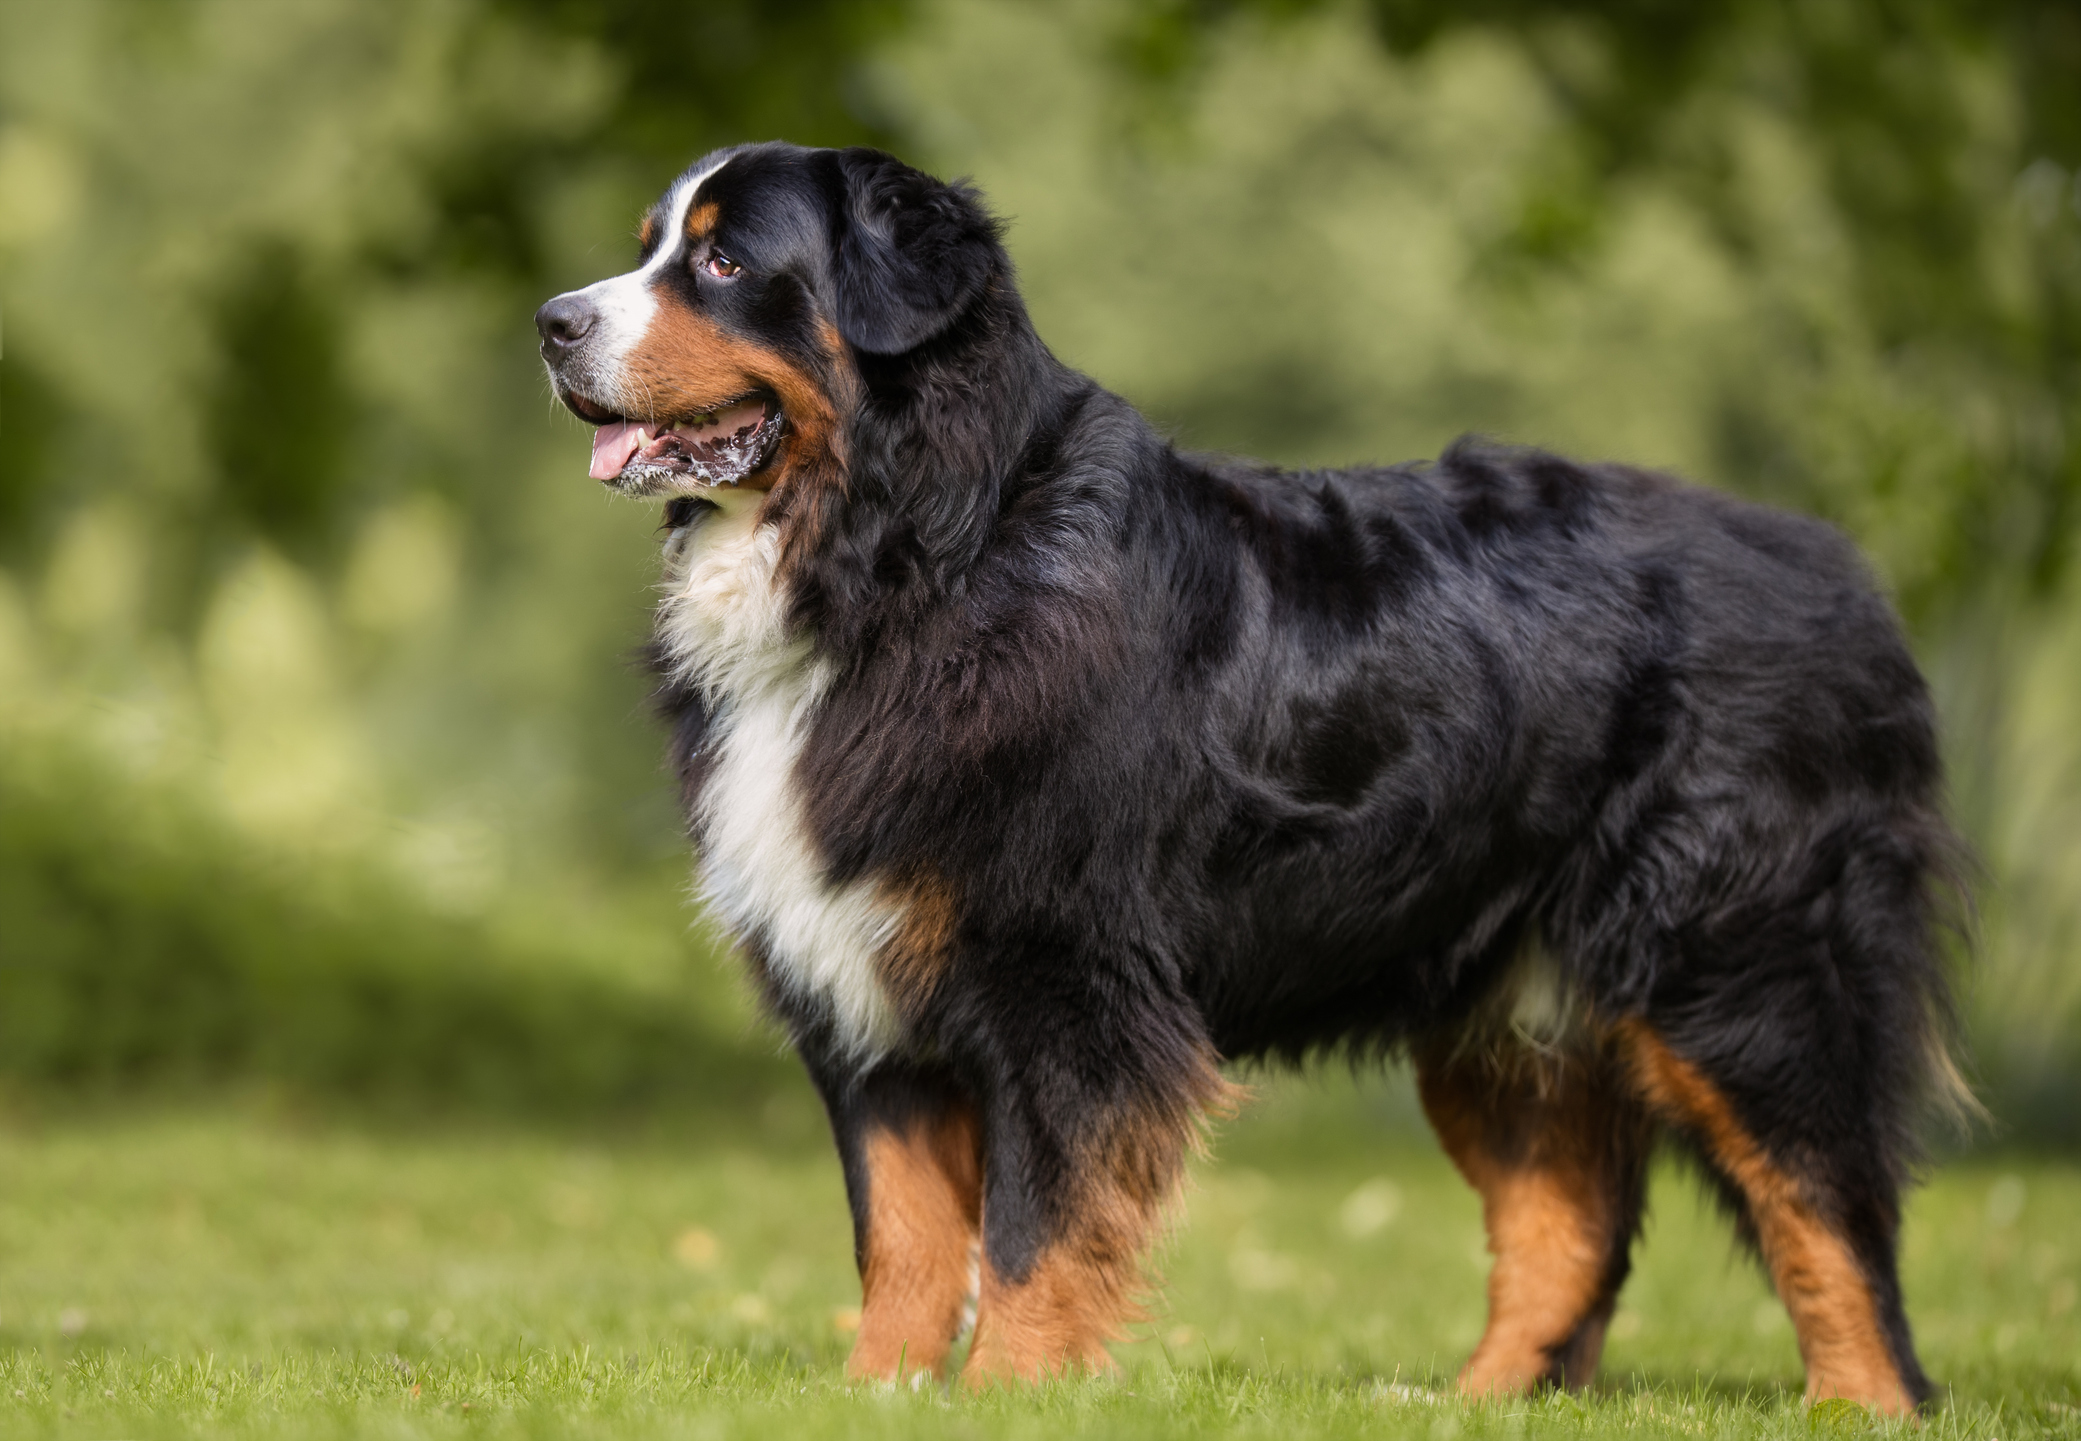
{"x": 1042, "y": 769}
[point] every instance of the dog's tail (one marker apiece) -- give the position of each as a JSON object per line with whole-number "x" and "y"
{"x": 1951, "y": 934}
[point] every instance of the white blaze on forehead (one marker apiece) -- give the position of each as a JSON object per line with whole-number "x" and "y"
{"x": 677, "y": 204}
{"x": 623, "y": 304}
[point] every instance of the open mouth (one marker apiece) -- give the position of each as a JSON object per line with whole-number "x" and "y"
{"x": 715, "y": 448}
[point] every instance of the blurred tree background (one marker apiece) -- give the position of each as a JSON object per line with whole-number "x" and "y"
{"x": 322, "y": 763}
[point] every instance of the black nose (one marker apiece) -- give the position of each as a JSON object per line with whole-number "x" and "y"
{"x": 564, "y": 321}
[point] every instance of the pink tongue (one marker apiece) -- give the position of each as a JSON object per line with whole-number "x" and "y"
{"x": 612, "y": 447}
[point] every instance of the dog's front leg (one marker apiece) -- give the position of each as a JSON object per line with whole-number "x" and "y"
{"x": 911, "y": 1148}
{"x": 1080, "y": 1167}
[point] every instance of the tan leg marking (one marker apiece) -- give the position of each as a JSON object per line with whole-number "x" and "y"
{"x": 1082, "y": 1291}
{"x": 1539, "y": 1140}
{"x": 1056, "y": 1321}
{"x": 924, "y": 1209}
{"x": 1840, "y": 1338}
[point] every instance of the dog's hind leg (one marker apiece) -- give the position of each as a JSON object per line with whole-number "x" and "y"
{"x": 1558, "y": 1151}
{"x": 1826, "y": 1227}
{"x": 1789, "y": 1037}
{"x": 912, "y": 1152}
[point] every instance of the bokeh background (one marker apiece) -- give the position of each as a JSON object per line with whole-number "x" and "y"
{"x": 324, "y": 770}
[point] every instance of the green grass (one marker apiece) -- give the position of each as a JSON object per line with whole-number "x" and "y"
{"x": 233, "y": 1269}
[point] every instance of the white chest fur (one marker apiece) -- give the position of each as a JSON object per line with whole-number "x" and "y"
{"x": 723, "y": 624}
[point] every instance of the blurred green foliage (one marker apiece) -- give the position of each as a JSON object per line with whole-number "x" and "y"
{"x": 303, "y": 594}
{"x": 148, "y": 945}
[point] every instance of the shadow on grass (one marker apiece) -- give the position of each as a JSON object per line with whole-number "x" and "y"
{"x": 2046, "y": 1389}
{"x": 148, "y": 952}
{"x": 1748, "y": 1391}
{"x": 1989, "y": 1382}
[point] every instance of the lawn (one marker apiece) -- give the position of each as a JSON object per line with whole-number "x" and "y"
{"x": 234, "y": 1268}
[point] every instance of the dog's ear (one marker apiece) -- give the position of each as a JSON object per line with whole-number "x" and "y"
{"x": 911, "y": 252}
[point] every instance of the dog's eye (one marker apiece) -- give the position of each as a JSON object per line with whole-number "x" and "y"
{"x": 721, "y": 266}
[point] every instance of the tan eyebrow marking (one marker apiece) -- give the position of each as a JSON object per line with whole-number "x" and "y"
{"x": 701, "y": 220}
{"x": 649, "y": 232}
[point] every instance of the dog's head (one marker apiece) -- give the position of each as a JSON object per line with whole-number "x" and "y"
{"x": 729, "y": 356}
